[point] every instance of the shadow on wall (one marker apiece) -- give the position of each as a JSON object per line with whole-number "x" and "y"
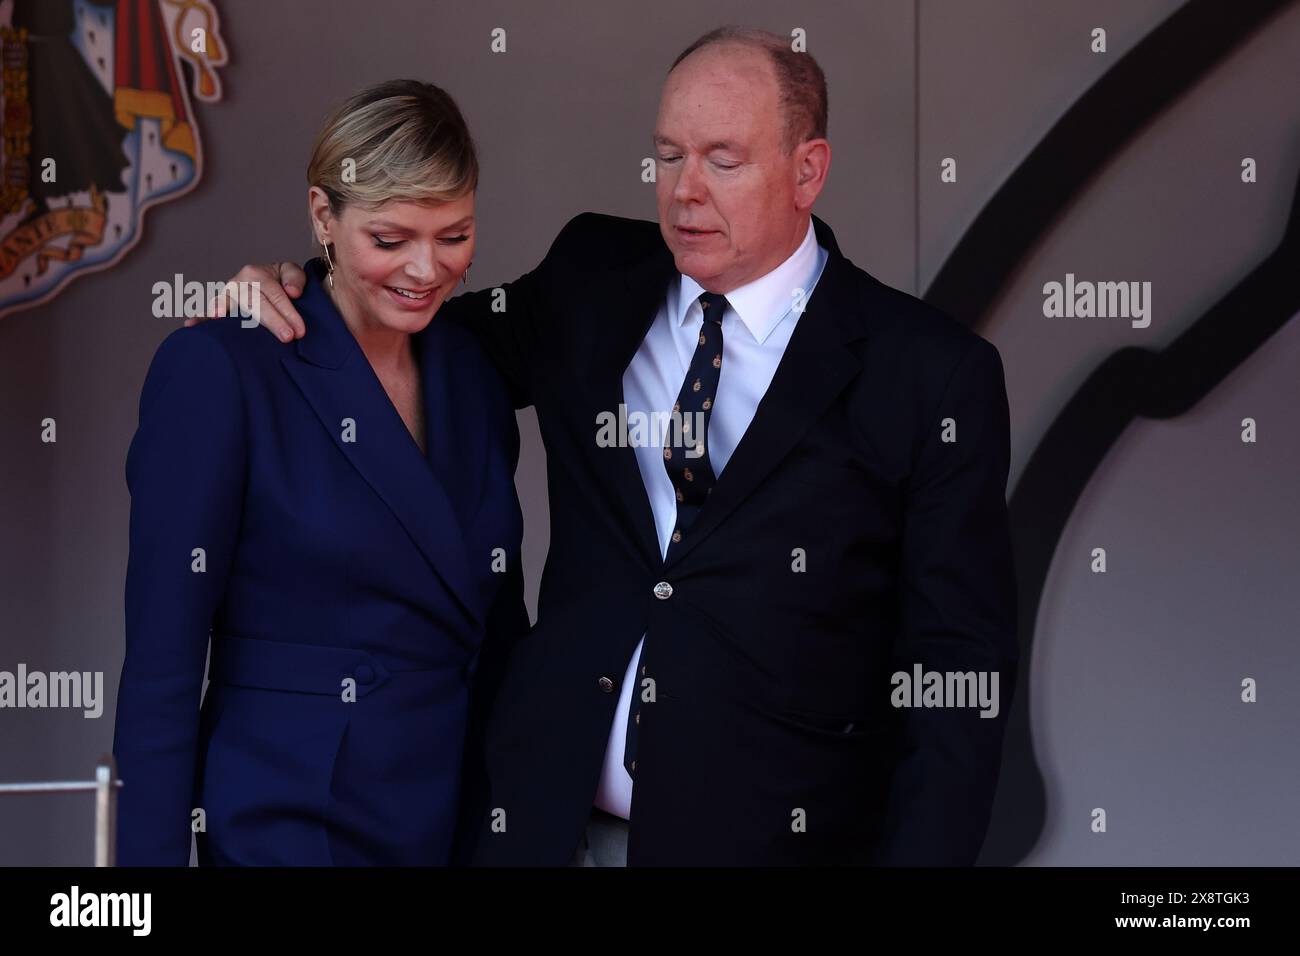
{"x": 1130, "y": 383}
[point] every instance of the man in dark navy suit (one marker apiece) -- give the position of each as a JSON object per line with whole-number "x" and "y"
{"x": 777, "y": 499}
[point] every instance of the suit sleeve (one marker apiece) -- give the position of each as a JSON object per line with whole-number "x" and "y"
{"x": 507, "y": 621}
{"x": 957, "y": 613}
{"x": 515, "y": 321}
{"x": 186, "y": 473}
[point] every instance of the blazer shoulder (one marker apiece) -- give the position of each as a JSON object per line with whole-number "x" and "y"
{"x": 193, "y": 392}
{"x": 214, "y": 360}
{"x": 194, "y": 353}
{"x": 607, "y": 241}
{"x": 245, "y": 345}
{"x": 920, "y": 330}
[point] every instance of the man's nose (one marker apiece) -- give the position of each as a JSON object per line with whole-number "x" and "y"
{"x": 690, "y": 183}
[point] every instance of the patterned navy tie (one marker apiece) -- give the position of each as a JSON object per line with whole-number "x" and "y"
{"x": 686, "y": 458}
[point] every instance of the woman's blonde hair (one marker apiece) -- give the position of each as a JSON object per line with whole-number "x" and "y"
{"x": 396, "y": 140}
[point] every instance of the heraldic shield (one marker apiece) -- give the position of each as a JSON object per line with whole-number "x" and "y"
{"x": 97, "y": 127}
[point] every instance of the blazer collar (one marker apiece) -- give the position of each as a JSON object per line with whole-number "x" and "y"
{"x": 646, "y": 284}
{"x": 816, "y": 367}
{"x": 328, "y": 341}
{"x": 338, "y": 382}
{"x": 762, "y": 303}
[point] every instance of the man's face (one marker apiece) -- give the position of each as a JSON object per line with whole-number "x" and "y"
{"x": 726, "y": 192}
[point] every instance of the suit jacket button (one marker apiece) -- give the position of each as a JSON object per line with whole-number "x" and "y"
{"x": 365, "y": 674}
{"x": 606, "y": 684}
{"x": 663, "y": 590}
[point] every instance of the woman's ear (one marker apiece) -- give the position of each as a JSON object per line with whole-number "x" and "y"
{"x": 322, "y": 217}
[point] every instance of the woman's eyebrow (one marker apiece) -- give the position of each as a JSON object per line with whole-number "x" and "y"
{"x": 385, "y": 224}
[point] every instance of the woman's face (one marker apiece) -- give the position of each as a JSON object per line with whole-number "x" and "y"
{"x": 396, "y": 264}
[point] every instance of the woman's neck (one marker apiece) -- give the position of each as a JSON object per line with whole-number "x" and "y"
{"x": 387, "y": 350}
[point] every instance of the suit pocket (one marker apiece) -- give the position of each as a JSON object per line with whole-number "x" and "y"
{"x": 824, "y": 474}
{"x": 267, "y": 769}
{"x": 837, "y": 726}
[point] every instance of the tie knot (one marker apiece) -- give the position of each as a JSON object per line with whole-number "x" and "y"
{"x": 714, "y": 304}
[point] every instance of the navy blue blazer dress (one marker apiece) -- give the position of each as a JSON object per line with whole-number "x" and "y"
{"x": 348, "y": 584}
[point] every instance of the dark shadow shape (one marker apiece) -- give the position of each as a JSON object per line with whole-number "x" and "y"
{"x": 1159, "y": 69}
{"x": 1130, "y": 383}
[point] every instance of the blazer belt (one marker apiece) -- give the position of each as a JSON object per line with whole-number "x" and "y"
{"x": 304, "y": 668}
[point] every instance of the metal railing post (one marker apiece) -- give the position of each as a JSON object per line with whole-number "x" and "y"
{"x": 105, "y": 812}
{"x": 105, "y": 787}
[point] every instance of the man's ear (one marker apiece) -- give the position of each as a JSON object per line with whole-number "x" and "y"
{"x": 812, "y": 164}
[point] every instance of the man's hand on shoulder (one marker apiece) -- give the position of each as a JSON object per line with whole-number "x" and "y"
{"x": 273, "y": 287}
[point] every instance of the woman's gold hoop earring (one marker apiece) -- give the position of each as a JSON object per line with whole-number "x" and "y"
{"x": 329, "y": 262}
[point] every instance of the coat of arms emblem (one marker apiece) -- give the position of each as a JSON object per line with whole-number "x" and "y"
{"x": 96, "y": 127}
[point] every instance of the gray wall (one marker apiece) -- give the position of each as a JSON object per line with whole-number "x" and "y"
{"x": 1135, "y": 673}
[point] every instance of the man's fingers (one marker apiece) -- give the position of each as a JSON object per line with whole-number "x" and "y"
{"x": 255, "y": 293}
{"x": 268, "y": 301}
{"x": 292, "y": 280}
{"x": 215, "y": 309}
{"x": 279, "y": 315}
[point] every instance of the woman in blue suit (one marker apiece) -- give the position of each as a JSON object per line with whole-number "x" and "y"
{"x": 338, "y": 516}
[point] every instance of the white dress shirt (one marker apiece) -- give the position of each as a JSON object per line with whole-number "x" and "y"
{"x": 756, "y": 326}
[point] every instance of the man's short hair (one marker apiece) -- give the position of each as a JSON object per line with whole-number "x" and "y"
{"x": 800, "y": 80}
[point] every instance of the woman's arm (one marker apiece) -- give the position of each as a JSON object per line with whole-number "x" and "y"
{"x": 186, "y": 473}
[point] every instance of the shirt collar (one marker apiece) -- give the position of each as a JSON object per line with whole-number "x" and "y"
{"x": 764, "y": 302}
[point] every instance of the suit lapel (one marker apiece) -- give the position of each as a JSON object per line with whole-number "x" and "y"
{"x": 815, "y": 368}
{"x": 453, "y": 434}
{"x": 333, "y": 374}
{"x": 620, "y": 330}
